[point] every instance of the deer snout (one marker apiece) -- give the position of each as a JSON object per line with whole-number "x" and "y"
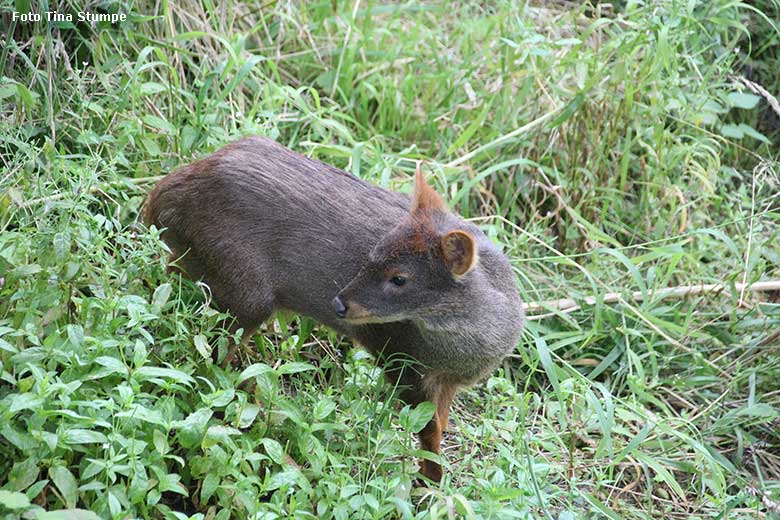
{"x": 339, "y": 307}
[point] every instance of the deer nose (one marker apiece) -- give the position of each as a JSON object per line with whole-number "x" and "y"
{"x": 339, "y": 307}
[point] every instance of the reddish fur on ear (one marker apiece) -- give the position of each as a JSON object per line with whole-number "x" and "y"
{"x": 460, "y": 251}
{"x": 425, "y": 198}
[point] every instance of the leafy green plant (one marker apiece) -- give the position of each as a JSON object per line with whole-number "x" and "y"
{"x": 608, "y": 150}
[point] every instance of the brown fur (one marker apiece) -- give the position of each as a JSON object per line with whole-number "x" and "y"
{"x": 440, "y": 393}
{"x": 268, "y": 229}
{"x": 425, "y": 198}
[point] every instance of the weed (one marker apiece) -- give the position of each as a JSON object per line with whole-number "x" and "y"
{"x": 609, "y": 150}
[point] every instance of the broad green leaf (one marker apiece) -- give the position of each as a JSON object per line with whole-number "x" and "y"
{"x": 159, "y": 124}
{"x": 75, "y": 335}
{"x": 733, "y": 131}
{"x": 171, "y": 482}
{"x": 68, "y": 514}
{"x": 142, "y": 413}
{"x": 151, "y": 146}
{"x": 202, "y": 346}
{"x": 4, "y": 345}
{"x": 220, "y": 398}
{"x": 161, "y": 295}
{"x": 152, "y": 373}
{"x": 323, "y": 408}
{"x": 13, "y": 500}
{"x": 114, "y": 505}
{"x": 219, "y": 434}
{"x": 23, "y": 475}
{"x": 192, "y": 429}
{"x": 287, "y": 477}
{"x": 741, "y": 130}
{"x": 294, "y": 368}
{"x": 210, "y": 485}
{"x": 416, "y": 418}
{"x": 253, "y": 371}
{"x": 743, "y": 100}
{"x": 274, "y": 450}
{"x": 66, "y": 484}
{"x": 25, "y": 401}
{"x": 81, "y": 436}
{"x": 755, "y": 134}
{"x": 248, "y": 415}
{"x": 28, "y": 97}
{"x": 112, "y": 364}
{"x": 140, "y": 354}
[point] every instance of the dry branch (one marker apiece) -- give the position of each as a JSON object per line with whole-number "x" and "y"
{"x": 570, "y": 304}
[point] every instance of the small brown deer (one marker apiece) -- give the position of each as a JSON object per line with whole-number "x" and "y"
{"x": 267, "y": 229}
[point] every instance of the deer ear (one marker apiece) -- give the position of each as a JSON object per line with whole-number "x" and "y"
{"x": 460, "y": 251}
{"x": 425, "y": 198}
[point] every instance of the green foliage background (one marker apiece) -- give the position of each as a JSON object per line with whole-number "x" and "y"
{"x": 623, "y": 149}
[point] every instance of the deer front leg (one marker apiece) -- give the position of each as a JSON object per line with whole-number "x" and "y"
{"x": 415, "y": 389}
{"x": 441, "y": 395}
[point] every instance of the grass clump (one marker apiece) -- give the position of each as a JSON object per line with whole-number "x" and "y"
{"x": 643, "y": 160}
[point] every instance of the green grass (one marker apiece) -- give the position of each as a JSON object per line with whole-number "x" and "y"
{"x": 643, "y": 163}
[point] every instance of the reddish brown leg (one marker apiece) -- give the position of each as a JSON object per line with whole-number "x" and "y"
{"x": 430, "y": 437}
{"x": 417, "y": 389}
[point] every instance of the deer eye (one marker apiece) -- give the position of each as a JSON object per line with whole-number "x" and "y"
{"x": 398, "y": 280}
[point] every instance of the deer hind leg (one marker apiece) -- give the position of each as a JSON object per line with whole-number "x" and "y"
{"x": 255, "y": 313}
{"x": 246, "y": 310}
{"x": 241, "y": 345}
{"x": 249, "y": 309}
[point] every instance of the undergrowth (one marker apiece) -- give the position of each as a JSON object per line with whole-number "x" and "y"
{"x": 608, "y": 149}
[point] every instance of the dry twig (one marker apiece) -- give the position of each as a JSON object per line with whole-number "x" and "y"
{"x": 570, "y": 304}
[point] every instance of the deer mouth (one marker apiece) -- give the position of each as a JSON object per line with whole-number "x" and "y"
{"x": 358, "y": 315}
